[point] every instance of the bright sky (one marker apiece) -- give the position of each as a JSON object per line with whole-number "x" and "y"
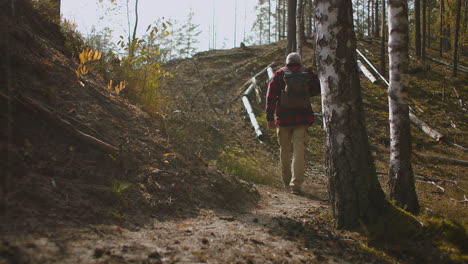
{"x": 86, "y": 13}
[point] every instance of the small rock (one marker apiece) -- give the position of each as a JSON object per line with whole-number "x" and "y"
{"x": 205, "y": 241}
{"x": 98, "y": 252}
{"x": 155, "y": 255}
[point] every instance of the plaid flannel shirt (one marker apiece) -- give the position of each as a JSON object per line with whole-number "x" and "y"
{"x": 288, "y": 116}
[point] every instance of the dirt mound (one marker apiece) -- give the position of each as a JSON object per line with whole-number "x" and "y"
{"x": 53, "y": 176}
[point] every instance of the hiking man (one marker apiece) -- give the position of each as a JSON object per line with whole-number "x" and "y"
{"x": 288, "y": 97}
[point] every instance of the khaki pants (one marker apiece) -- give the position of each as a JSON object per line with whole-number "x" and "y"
{"x": 292, "y": 144}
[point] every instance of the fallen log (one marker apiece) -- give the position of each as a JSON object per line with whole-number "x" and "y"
{"x": 253, "y": 120}
{"x": 366, "y": 72}
{"x": 460, "y": 68}
{"x": 442, "y": 159}
{"x": 39, "y": 108}
{"x": 431, "y": 132}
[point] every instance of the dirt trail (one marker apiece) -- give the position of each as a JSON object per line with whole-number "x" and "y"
{"x": 282, "y": 228}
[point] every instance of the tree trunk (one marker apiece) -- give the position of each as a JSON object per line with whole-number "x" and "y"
{"x": 401, "y": 178}
{"x": 292, "y": 43}
{"x": 278, "y": 20}
{"x": 310, "y": 18}
{"x": 428, "y": 22}
{"x": 284, "y": 18}
{"x": 269, "y": 21}
{"x": 441, "y": 27}
{"x": 300, "y": 26}
{"x": 354, "y": 190}
{"x": 368, "y": 18}
{"x": 417, "y": 31}
{"x": 423, "y": 41}
{"x": 376, "y": 21}
{"x": 383, "y": 68}
{"x": 455, "y": 42}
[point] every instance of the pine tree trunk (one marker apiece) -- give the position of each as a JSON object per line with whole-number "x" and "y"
{"x": 269, "y": 21}
{"x": 441, "y": 27}
{"x": 354, "y": 190}
{"x": 423, "y": 41}
{"x": 455, "y": 42}
{"x": 417, "y": 31}
{"x": 373, "y": 19}
{"x": 383, "y": 68}
{"x": 300, "y": 26}
{"x": 292, "y": 43}
{"x": 278, "y": 20}
{"x": 401, "y": 178}
{"x": 376, "y": 24}
{"x": 284, "y": 18}
{"x": 368, "y": 18}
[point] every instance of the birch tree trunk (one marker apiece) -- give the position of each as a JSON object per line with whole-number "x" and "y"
{"x": 292, "y": 43}
{"x": 401, "y": 178}
{"x": 354, "y": 190}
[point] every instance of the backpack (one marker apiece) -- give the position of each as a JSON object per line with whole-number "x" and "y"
{"x": 296, "y": 90}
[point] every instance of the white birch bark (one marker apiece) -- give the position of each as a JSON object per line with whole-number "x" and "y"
{"x": 355, "y": 193}
{"x": 401, "y": 178}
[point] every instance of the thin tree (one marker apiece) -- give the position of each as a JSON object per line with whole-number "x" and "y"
{"x": 278, "y": 20}
{"x": 354, "y": 190}
{"x": 292, "y": 43}
{"x": 424, "y": 22}
{"x": 376, "y": 21}
{"x": 441, "y": 27}
{"x": 300, "y": 26}
{"x": 383, "y": 68}
{"x": 417, "y": 29}
{"x": 269, "y": 21}
{"x": 284, "y": 19}
{"x": 401, "y": 178}
{"x": 455, "y": 41}
{"x": 368, "y": 18}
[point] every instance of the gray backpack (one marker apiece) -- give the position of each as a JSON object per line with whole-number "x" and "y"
{"x": 296, "y": 91}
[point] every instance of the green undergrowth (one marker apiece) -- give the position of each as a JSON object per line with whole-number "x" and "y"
{"x": 244, "y": 165}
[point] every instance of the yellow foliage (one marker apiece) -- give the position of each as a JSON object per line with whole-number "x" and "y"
{"x": 87, "y": 55}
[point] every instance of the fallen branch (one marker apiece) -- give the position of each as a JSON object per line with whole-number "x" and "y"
{"x": 366, "y": 72}
{"x": 460, "y": 68}
{"x": 442, "y": 159}
{"x": 431, "y": 132}
{"x": 38, "y": 107}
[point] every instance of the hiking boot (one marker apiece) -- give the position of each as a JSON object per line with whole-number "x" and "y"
{"x": 296, "y": 192}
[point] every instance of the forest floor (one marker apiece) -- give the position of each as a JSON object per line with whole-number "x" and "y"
{"x": 190, "y": 184}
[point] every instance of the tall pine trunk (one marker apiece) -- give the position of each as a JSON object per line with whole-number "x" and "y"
{"x": 417, "y": 29}
{"x": 423, "y": 41}
{"x": 292, "y": 43}
{"x": 455, "y": 41}
{"x": 354, "y": 190}
{"x": 401, "y": 178}
{"x": 383, "y": 68}
{"x": 300, "y": 26}
{"x": 376, "y": 21}
{"x": 441, "y": 27}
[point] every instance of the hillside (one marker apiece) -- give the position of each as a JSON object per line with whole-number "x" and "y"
{"x": 191, "y": 183}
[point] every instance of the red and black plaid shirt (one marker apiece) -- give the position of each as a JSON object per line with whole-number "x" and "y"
{"x": 288, "y": 116}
